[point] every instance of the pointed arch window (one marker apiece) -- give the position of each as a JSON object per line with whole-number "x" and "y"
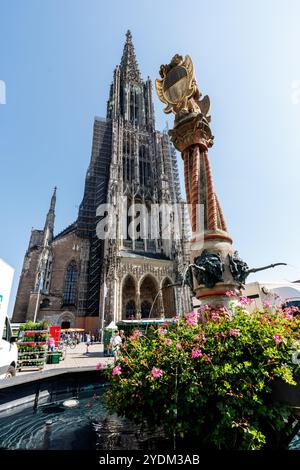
{"x": 70, "y": 286}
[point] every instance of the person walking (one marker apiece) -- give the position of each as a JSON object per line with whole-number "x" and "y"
{"x": 87, "y": 342}
{"x": 116, "y": 342}
{"x": 123, "y": 338}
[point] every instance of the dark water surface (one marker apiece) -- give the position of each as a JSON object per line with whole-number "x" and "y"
{"x": 52, "y": 426}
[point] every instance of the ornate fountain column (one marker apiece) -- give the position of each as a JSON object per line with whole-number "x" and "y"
{"x": 212, "y": 253}
{"x": 138, "y": 305}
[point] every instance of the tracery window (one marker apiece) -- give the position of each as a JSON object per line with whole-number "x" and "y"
{"x": 70, "y": 286}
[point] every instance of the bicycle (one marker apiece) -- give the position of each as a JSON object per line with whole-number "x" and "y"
{"x": 71, "y": 343}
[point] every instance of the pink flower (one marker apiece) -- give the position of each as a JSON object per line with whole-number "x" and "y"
{"x": 215, "y": 316}
{"x": 99, "y": 366}
{"x": 156, "y": 373}
{"x": 178, "y": 346}
{"x": 204, "y": 308}
{"x": 234, "y": 332}
{"x": 197, "y": 338}
{"x": 191, "y": 322}
{"x": 192, "y": 318}
{"x": 230, "y": 293}
{"x": 168, "y": 341}
{"x": 291, "y": 310}
{"x": 162, "y": 331}
{"x": 267, "y": 304}
{"x": 278, "y": 339}
{"x": 116, "y": 370}
{"x": 245, "y": 301}
{"x": 137, "y": 333}
{"x": 196, "y": 353}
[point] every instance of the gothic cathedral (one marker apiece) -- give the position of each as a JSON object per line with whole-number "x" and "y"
{"x": 78, "y": 278}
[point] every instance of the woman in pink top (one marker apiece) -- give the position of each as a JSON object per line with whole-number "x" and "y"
{"x": 51, "y": 344}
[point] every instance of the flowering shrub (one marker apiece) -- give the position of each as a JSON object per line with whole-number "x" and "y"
{"x": 208, "y": 377}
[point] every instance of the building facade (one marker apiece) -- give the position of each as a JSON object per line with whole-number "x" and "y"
{"x": 86, "y": 278}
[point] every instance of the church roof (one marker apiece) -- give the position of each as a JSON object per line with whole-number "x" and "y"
{"x": 71, "y": 228}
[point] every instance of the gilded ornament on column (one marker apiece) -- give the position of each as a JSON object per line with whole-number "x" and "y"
{"x": 179, "y": 91}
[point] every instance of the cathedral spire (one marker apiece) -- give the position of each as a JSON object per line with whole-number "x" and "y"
{"x": 53, "y": 200}
{"x": 49, "y": 224}
{"x": 129, "y": 66}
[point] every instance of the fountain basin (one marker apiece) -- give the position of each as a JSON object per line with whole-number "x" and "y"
{"x": 33, "y": 415}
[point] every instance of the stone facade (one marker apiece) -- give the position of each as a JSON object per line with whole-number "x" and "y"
{"x": 78, "y": 279}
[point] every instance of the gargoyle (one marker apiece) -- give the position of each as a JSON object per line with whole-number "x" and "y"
{"x": 240, "y": 269}
{"x": 211, "y": 268}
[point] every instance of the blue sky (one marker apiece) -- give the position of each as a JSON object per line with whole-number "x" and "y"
{"x": 57, "y": 58}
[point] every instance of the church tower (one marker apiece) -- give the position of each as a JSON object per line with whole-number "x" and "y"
{"x": 37, "y": 268}
{"x": 132, "y": 167}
